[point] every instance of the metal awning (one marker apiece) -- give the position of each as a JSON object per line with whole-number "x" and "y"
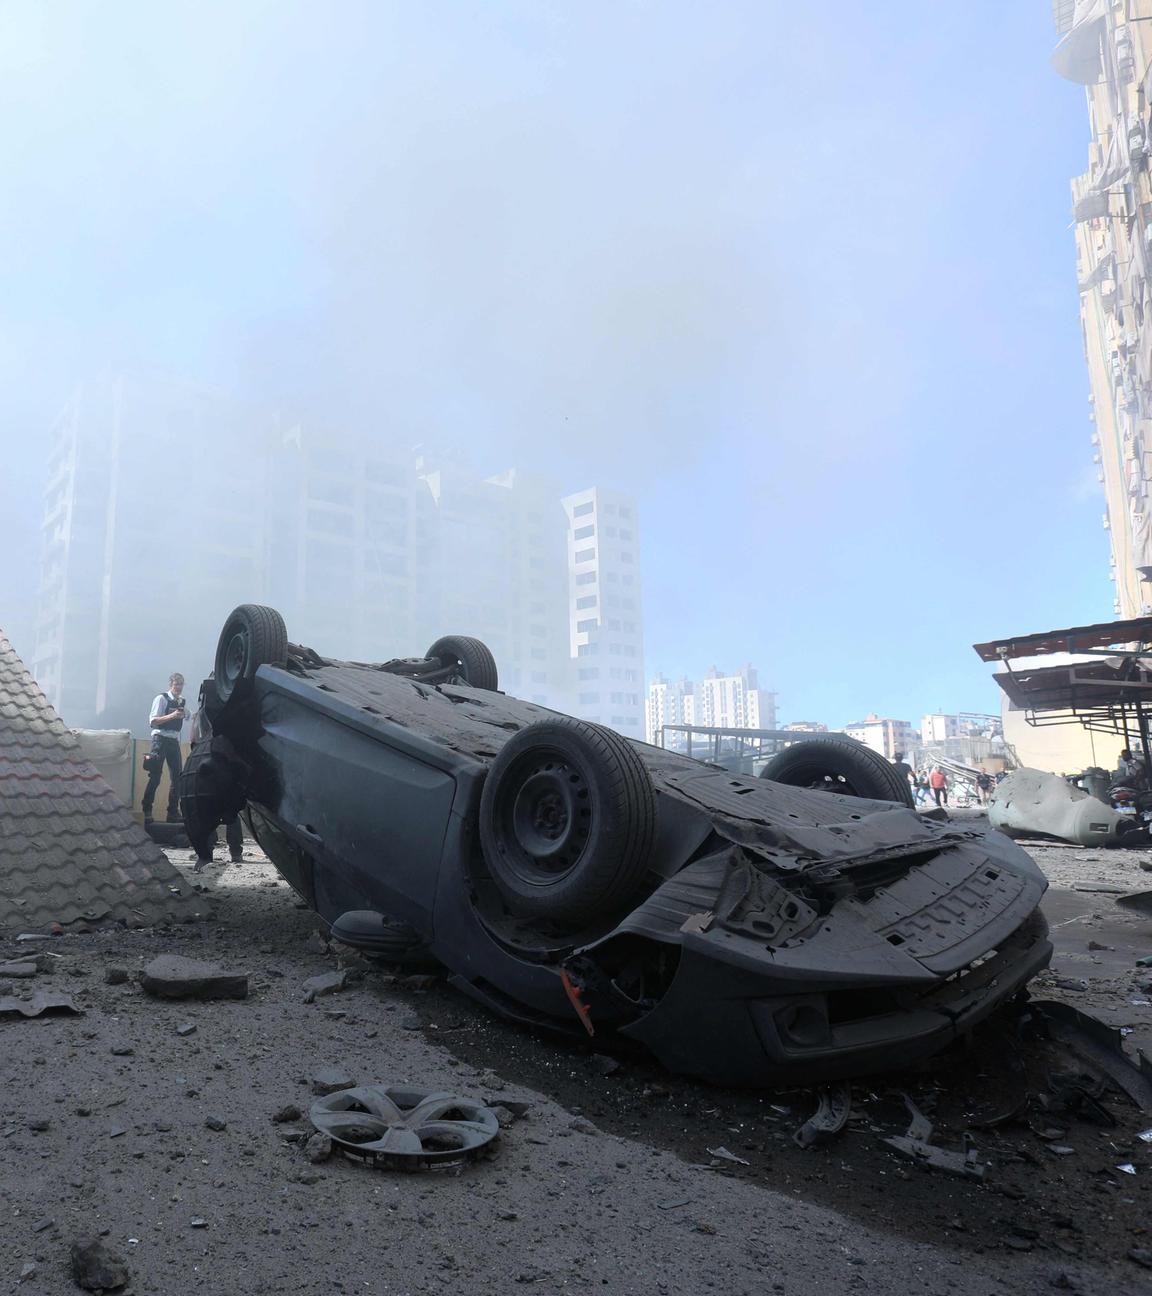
{"x": 1081, "y": 686}
{"x": 1076, "y": 639}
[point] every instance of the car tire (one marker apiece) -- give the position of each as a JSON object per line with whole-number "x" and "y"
{"x": 383, "y": 939}
{"x": 472, "y": 659}
{"x": 839, "y": 764}
{"x": 567, "y": 821}
{"x": 253, "y": 636}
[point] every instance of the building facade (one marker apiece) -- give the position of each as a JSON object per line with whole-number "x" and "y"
{"x": 1106, "y": 46}
{"x": 883, "y": 735}
{"x": 166, "y": 507}
{"x": 605, "y": 610}
{"x": 717, "y": 701}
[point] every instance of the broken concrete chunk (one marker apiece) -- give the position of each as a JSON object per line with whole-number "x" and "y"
{"x": 171, "y": 976}
{"x": 286, "y": 1114}
{"x": 95, "y": 1267}
{"x": 330, "y": 1080}
{"x": 318, "y": 1148}
{"x": 21, "y": 968}
{"x": 115, "y": 975}
{"x": 324, "y": 984}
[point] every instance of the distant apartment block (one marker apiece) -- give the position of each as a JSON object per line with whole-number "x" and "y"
{"x": 605, "y": 610}
{"x": 935, "y": 729}
{"x": 733, "y": 701}
{"x": 167, "y": 506}
{"x": 883, "y": 735}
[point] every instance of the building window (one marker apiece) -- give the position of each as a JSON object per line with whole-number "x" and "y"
{"x": 585, "y": 555}
{"x": 589, "y": 600}
{"x": 584, "y": 533}
{"x": 588, "y": 672}
{"x": 582, "y": 627}
{"x": 625, "y": 534}
{"x": 537, "y": 631}
{"x": 625, "y": 512}
{"x": 589, "y": 699}
{"x": 586, "y": 578}
{"x": 582, "y": 510}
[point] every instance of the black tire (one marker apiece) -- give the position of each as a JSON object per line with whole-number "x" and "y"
{"x": 383, "y": 939}
{"x": 212, "y": 790}
{"x": 471, "y": 659}
{"x": 839, "y": 764}
{"x": 253, "y": 636}
{"x": 567, "y": 821}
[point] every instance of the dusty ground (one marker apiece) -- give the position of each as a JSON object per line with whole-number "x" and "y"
{"x": 606, "y": 1184}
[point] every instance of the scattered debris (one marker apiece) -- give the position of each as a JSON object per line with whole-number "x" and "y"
{"x": 330, "y": 1080}
{"x": 1142, "y": 1256}
{"x": 834, "y": 1106}
{"x": 217, "y": 1123}
{"x": 1100, "y": 1046}
{"x": 22, "y": 968}
{"x": 965, "y": 1165}
{"x": 171, "y": 976}
{"x": 318, "y": 1148}
{"x": 115, "y": 975}
{"x": 722, "y": 1154}
{"x": 325, "y": 984}
{"x": 95, "y": 1267}
{"x": 404, "y": 1129}
{"x": 186, "y": 1028}
{"x": 41, "y": 1002}
{"x": 286, "y": 1114}
{"x": 27, "y": 1270}
{"x": 1127, "y": 1168}
{"x": 605, "y": 1065}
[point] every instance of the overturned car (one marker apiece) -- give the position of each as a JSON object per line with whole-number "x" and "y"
{"x": 743, "y": 930}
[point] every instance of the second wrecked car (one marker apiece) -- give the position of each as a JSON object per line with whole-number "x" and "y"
{"x": 744, "y": 931}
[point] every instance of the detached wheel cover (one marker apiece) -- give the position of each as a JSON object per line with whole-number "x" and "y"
{"x": 567, "y": 820}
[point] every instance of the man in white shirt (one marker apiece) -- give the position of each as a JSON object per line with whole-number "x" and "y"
{"x": 166, "y": 719}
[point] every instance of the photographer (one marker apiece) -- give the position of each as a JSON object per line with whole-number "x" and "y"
{"x": 166, "y": 720}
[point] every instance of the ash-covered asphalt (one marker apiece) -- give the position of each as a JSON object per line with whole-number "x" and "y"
{"x": 610, "y": 1183}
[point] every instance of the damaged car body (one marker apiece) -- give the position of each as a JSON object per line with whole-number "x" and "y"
{"x": 744, "y": 931}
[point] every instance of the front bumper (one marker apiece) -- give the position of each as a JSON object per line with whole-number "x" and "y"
{"x": 728, "y": 1026}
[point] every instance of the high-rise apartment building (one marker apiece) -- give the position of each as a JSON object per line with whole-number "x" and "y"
{"x": 605, "y": 611}
{"x": 1106, "y": 46}
{"x": 717, "y": 701}
{"x": 168, "y": 506}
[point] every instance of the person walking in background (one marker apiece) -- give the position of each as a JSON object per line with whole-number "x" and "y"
{"x": 906, "y": 772}
{"x": 939, "y": 785}
{"x": 984, "y": 787}
{"x": 165, "y": 721}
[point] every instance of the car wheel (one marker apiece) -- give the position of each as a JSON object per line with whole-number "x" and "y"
{"x": 253, "y": 636}
{"x": 470, "y": 658}
{"x": 567, "y": 820}
{"x": 385, "y": 939}
{"x": 839, "y": 764}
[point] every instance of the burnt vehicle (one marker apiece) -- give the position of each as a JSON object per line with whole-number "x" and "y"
{"x": 743, "y": 930}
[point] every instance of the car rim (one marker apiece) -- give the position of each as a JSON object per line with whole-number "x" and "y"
{"x": 235, "y": 656}
{"x": 544, "y": 819}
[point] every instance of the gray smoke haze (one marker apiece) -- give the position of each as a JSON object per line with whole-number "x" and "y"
{"x": 734, "y": 263}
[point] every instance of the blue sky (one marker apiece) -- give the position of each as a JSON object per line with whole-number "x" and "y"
{"x": 800, "y": 277}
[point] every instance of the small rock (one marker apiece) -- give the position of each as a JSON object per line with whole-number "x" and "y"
{"x": 1142, "y": 1256}
{"x": 309, "y": 1177}
{"x": 517, "y": 1108}
{"x": 186, "y": 1028}
{"x": 42, "y": 1225}
{"x": 27, "y": 1270}
{"x": 115, "y": 975}
{"x": 504, "y": 1117}
{"x": 318, "y": 1148}
{"x": 412, "y": 1023}
{"x": 171, "y": 976}
{"x": 605, "y": 1065}
{"x": 330, "y": 1080}
{"x": 40, "y": 1124}
{"x": 21, "y": 969}
{"x": 507, "y": 1216}
{"x": 325, "y": 984}
{"x": 1071, "y": 983}
{"x": 198, "y": 1223}
{"x": 1018, "y": 1243}
{"x": 123, "y": 1050}
{"x": 1095, "y": 945}
{"x": 582, "y": 1127}
{"x": 1061, "y": 1149}
{"x": 95, "y": 1267}
{"x": 217, "y": 1123}
{"x": 1063, "y": 1280}
{"x": 286, "y": 1114}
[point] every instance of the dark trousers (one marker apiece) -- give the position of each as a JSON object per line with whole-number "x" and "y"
{"x": 941, "y": 795}
{"x": 234, "y": 835}
{"x": 171, "y": 753}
